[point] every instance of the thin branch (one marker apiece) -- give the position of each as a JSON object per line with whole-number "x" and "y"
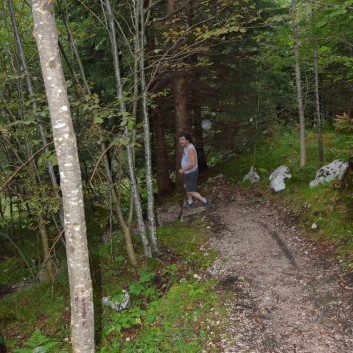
{"x": 97, "y": 164}
{"x": 24, "y": 164}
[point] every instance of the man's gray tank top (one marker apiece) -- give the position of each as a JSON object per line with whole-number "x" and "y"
{"x": 185, "y": 161}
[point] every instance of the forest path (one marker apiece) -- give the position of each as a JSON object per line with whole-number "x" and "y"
{"x": 287, "y": 298}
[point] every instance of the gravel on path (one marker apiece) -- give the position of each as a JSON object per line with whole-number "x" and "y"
{"x": 287, "y": 298}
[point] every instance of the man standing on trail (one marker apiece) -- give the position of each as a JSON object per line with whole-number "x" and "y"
{"x": 190, "y": 170}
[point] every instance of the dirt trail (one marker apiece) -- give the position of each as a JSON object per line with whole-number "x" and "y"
{"x": 286, "y": 297}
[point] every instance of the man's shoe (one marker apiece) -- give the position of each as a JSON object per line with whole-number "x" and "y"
{"x": 189, "y": 205}
{"x": 206, "y": 204}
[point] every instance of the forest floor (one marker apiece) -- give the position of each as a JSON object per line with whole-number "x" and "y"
{"x": 286, "y": 296}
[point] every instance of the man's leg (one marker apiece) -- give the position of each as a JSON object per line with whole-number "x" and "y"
{"x": 196, "y": 195}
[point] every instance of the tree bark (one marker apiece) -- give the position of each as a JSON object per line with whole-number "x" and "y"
{"x": 164, "y": 183}
{"x": 198, "y": 133}
{"x": 31, "y": 93}
{"x": 180, "y": 93}
{"x": 299, "y": 86}
{"x": 74, "y": 48}
{"x": 82, "y": 318}
{"x": 130, "y": 158}
{"x": 146, "y": 126}
{"x": 318, "y": 113}
{"x": 195, "y": 106}
{"x": 45, "y": 244}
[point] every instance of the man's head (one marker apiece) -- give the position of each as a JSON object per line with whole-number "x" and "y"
{"x": 184, "y": 139}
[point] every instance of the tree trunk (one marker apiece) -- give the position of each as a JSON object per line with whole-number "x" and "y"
{"x": 45, "y": 244}
{"x": 74, "y": 47}
{"x": 130, "y": 158}
{"x": 198, "y": 132}
{"x": 195, "y": 106}
{"x": 140, "y": 17}
{"x": 180, "y": 93}
{"x": 299, "y": 86}
{"x": 164, "y": 183}
{"x": 82, "y": 318}
{"x": 126, "y": 226}
{"x": 34, "y": 105}
{"x": 318, "y": 113}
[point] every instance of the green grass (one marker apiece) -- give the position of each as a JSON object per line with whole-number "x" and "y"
{"x": 170, "y": 306}
{"x": 170, "y": 310}
{"x": 13, "y": 270}
{"x": 329, "y": 206}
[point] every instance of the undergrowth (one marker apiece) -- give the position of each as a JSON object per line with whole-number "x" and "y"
{"x": 172, "y": 304}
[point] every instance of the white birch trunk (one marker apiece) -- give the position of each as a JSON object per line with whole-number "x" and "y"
{"x": 82, "y": 318}
{"x": 146, "y": 126}
{"x": 299, "y": 86}
{"x": 130, "y": 159}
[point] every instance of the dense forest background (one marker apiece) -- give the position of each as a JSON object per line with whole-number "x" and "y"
{"x": 237, "y": 75}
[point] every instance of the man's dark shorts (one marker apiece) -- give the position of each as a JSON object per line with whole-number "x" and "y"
{"x": 190, "y": 181}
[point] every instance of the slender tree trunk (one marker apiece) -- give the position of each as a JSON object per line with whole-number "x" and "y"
{"x": 164, "y": 183}
{"x": 1, "y": 209}
{"x": 126, "y": 226}
{"x": 80, "y": 92}
{"x": 198, "y": 132}
{"x": 74, "y": 47}
{"x": 45, "y": 244}
{"x": 195, "y": 106}
{"x": 162, "y": 163}
{"x": 130, "y": 159}
{"x": 34, "y": 105}
{"x": 82, "y": 318}
{"x": 179, "y": 88}
{"x": 318, "y": 113}
{"x": 299, "y": 86}
{"x": 181, "y": 117}
{"x": 146, "y": 126}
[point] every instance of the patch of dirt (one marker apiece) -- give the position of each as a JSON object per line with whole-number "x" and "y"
{"x": 286, "y": 297}
{"x": 5, "y": 290}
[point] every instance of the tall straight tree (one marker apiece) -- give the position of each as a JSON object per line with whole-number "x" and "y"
{"x": 299, "y": 85}
{"x": 318, "y": 113}
{"x": 179, "y": 87}
{"x": 81, "y": 292}
{"x": 31, "y": 92}
{"x": 123, "y": 111}
{"x": 140, "y": 29}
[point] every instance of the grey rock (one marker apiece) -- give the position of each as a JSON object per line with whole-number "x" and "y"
{"x": 329, "y": 172}
{"x": 278, "y": 177}
{"x": 118, "y": 306}
{"x": 252, "y": 176}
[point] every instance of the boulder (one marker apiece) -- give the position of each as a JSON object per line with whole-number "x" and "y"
{"x": 278, "y": 177}
{"x": 118, "y": 306}
{"x": 252, "y": 176}
{"x": 329, "y": 172}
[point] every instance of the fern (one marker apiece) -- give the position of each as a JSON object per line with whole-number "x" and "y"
{"x": 38, "y": 343}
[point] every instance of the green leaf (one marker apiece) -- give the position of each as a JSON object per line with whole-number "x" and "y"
{"x": 98, "y": 120}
